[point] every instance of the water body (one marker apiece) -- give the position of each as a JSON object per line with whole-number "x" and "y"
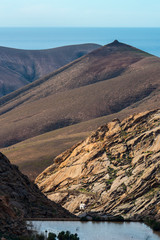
{"x": 147, "y": 39}
{"x": 99, "y": 230}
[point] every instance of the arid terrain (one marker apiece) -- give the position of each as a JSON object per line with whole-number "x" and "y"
{"x": 115, "y": 171}
{"x": 45, "y": 126}
{"x": 49, "y": 115}
{"x": 21, "y": 67}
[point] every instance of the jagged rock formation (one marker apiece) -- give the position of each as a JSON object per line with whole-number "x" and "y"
{"x": 20, "y": 198}
{"x": 115, "y": 171}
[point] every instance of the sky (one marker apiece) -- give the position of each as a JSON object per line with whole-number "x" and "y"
{"x": 83, "y": 13}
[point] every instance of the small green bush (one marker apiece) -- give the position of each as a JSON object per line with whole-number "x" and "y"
{"x": 96, "y": 218}
{"x": 84, "y": 219}
{"x": 67, "y": 236}
{"x": 40, "y": 237}
{"x": 153, "y": 224}
{"x": 51, "y": 236}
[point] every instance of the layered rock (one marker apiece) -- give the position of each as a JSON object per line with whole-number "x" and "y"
{"x": 115, "y": 171}
{"x": 20, "y": 198}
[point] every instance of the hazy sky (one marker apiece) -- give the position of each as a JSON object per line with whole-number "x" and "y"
{"x": 85, "y": 13}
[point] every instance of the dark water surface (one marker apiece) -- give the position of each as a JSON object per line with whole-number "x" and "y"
{"x": 147, "y": 39}
{"x": 99, "y": 230}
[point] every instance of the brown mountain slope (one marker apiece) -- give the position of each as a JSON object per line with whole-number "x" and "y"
{"x": 115, "y": 171}
{"x": 35, "y": 154}
{"x": 101, "y": 83}
{"x": 11, "y": 223}
{"x": 20, "y": 198}
{"x": 20, "y": 67}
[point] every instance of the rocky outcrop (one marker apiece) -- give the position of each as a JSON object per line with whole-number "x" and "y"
{"x": 115, "y": 171}
{"x": 20, "y": 198}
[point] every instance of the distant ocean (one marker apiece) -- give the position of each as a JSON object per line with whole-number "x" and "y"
{"x": 147, "y": 39}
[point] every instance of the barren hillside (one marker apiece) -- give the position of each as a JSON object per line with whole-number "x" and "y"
{"x": 21, "y": 67}
{"x": 112, "y": 81}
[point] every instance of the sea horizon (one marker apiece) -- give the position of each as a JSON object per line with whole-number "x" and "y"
{"x": 36, "y": 38}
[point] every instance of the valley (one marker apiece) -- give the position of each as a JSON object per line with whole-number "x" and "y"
{"x": 20, "y": 67}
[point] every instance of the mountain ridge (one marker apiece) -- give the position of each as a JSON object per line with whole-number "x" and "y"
{"x": 112, "y": 80}
{"x": 19, "y": 67}
{"x": 104, "y": 50}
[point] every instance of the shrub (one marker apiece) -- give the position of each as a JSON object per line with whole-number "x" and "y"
{"x": 67, "y": 236}
{"x": 40, "y": 237}
{"x": 51, "y": 236}
{"x": 153, "y": 224}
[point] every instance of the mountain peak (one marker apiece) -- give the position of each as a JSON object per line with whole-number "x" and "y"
{"x": 116, "y": 42}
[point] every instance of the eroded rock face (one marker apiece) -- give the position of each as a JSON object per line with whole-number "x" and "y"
{"x": 20, "y": 199}
{"x": 116, "y": 171}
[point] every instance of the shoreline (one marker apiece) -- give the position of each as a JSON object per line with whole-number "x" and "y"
{"x": 52, "y": 219}
{"x": 157, "y": 230}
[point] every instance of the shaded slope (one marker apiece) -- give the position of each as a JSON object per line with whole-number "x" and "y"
{"x": 24, "y": 195}
{"x": 21, "y": 67}
{"x": 115, "y": 171}
{"x": 10, "y": 222}
{"x": 20, "y": 198}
